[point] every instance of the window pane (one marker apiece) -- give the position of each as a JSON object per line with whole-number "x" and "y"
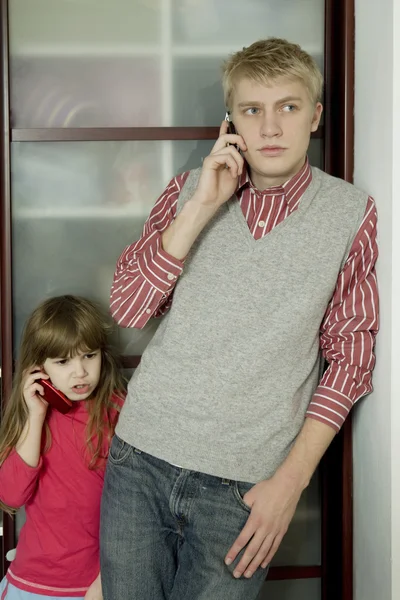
{"x": 87, "y": 63}
{"x": 231, "y": 23}
{"x": 75, "y": 207}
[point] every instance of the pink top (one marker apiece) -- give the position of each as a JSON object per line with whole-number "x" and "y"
{"x": 58, "y": 547}
{"x": 146, "y": 275}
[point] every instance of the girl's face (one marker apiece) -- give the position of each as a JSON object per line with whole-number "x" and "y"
{"x": 75, "y": 376}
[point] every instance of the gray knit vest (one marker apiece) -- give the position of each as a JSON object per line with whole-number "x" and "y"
{"x": 224, "y": 385}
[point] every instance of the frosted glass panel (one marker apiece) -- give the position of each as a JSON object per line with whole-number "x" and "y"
{"x": 233, "y": 23}
{"x": 297, "y": 589}
{"x": 75, "y": 206}
{"x": 83, "y": 91}
{"x": 86, "y": 63}
{"x": 89, "y": 63}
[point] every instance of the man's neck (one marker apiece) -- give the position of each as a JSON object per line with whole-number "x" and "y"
{"x": 263, "y": 182}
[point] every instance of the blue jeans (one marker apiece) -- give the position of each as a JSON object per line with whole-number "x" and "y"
{"x": 165, "y": 531}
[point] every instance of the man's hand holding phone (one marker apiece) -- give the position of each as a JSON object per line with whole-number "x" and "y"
{"x": 218, "y": 182}
{"x": 221, "y": 169}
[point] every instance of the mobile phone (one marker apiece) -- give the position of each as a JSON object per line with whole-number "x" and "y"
{"x": 231, "y": 127}
{"x": 230, "y": 124}
{"x": 54, "y": 397}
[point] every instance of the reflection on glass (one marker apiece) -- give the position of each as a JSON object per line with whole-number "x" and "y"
{"x": 75, "y": 207}
{"x": 297, "y": 589}
{"x": 86, "y": 63}
{"x": 199, "y": 98}
{"x": 233, "y": 23}
{"x": 68, "y": 26}
{"x": 139, "y": 63}
{"x": 77, "y": 91}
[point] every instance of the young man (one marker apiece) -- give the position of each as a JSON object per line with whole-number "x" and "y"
{"x": 263, "y": 267}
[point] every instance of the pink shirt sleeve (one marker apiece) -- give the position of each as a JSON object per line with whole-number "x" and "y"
{"x": 145, "y": 274}
{"x": 349, "y": 330}
{"x": 17, "y": 480}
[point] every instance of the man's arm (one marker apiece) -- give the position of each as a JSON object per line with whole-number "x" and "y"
{"x": 349, "y": 330}
{"x": 273, "y": 501}
{"x": 347, "y": 340}
{"x": 147, "y": 271}
{"x": 146, "y": 274}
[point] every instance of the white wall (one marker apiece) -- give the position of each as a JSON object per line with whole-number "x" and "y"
{"x": 377, "y": 418}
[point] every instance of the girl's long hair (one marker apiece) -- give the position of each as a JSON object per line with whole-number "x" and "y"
{"x": 61, "y": 327}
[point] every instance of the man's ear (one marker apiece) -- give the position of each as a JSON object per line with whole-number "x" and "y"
{"x": 316, "y": 116}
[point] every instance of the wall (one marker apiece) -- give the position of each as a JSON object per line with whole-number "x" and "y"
{"x": 377, "y": 418}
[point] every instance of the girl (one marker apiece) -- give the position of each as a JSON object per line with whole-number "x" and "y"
{"x": 54, "y": 463}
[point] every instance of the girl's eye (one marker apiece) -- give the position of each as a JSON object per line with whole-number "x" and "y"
{"x": 62, "y": 361}
{"x": 91, "y": 355}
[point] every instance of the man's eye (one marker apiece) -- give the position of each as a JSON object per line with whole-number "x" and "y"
{"x": 289, "y": 107}
{"x": 253, "y": 110}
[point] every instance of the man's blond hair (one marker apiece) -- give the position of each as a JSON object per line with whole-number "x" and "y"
{"x": 268, "y": 60}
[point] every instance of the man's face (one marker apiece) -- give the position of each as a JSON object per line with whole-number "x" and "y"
{"x": 276, "y": 122}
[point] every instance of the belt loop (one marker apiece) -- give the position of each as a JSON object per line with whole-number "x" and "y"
{"x": 226, "y": 482}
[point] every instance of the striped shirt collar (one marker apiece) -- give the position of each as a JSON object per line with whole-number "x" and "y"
{"x": 292, "y": 189}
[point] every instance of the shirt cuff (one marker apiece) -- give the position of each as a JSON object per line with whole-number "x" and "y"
{"x": 159, "y": 268}
{"x": 329, "y": 406}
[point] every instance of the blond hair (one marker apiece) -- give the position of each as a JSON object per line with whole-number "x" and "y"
{"x": 267, "y": 60}
{"x": 58, "y": 328}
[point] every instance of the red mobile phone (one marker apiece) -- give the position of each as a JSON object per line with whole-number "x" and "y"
{"x": 54, "y": 397}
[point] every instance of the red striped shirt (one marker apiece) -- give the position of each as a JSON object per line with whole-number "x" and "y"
{"x": 145, "y": 278}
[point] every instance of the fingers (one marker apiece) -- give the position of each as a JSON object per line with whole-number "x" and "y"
{"x": 262, "y": 558}
{"x": 259, "y": 544}
{"x": 229, "y": 157}
{"x": 250, "y": 555}
{"x": 224, "y": 128}
{"x": 228, "y": 138}
{"x": 31, "y": 386}
{"x": 243, "y": 538}
{"x": 273, "y": 550}
{"x": 33, "y": 376}
{"x": 36, "y": 387}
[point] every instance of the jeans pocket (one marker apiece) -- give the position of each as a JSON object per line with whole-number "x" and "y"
{"x": 119, "y": 450}
{"x": 240, "y": 488}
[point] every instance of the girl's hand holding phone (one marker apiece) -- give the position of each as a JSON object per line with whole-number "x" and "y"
{"x": 221, "y": 169}
{"x": 34, "y": 392}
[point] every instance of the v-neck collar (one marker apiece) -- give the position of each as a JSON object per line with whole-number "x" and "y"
{"x": 235, "y": 209}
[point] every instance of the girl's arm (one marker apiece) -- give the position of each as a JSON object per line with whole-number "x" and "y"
{"x": 19, "y": 471}
{"x": 29, "y": 443}
{"x": 95, "y": 590}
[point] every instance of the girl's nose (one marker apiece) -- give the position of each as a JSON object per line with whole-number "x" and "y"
{"x": 80, "y": 370}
